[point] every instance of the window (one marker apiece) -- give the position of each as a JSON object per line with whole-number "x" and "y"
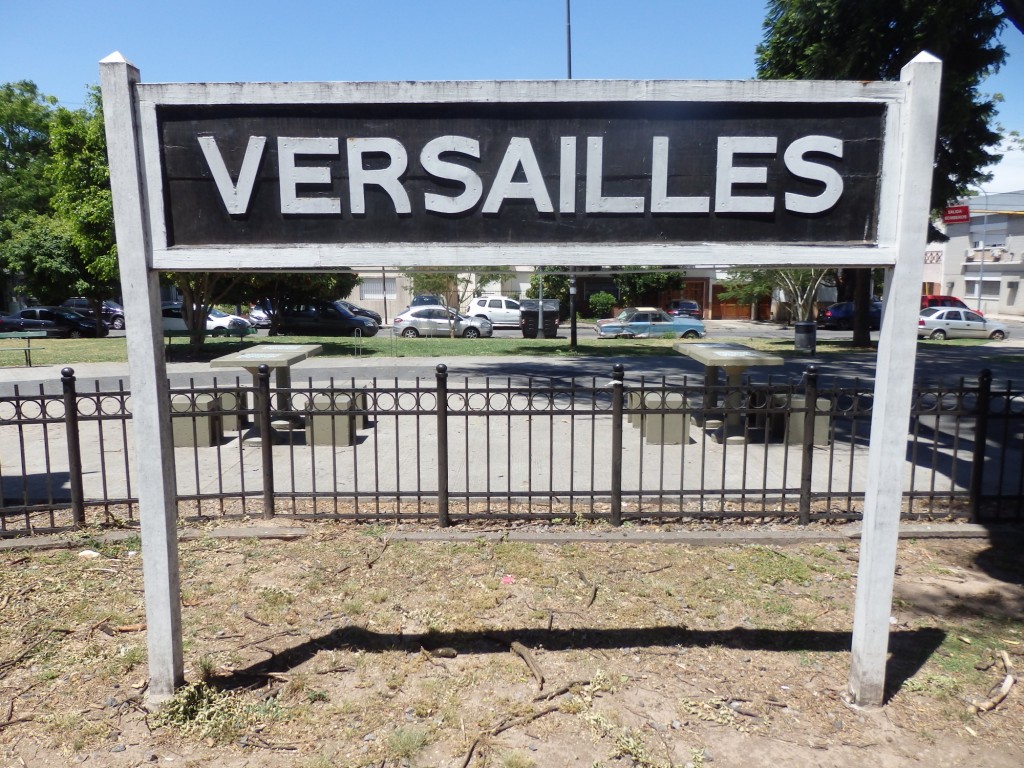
{"x": 989, "y": 289}
{"x": 378, "y": 288}
{"x": 495, "y": 303}
{"x": 509, "y": 304}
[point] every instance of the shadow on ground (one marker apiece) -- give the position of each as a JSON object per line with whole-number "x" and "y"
{"x": 909, "y": 649}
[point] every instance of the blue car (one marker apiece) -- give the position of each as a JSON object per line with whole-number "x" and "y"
{"x": 649, "y": 323}
{"x": 840, "y": 316}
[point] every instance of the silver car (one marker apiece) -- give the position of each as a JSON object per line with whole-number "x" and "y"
{"x": 954, "y": 323}
{"x": 440, "y": 321}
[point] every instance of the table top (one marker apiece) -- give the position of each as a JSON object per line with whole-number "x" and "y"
{"x": 726, "y": 355}
{"x": 271, "y": 355}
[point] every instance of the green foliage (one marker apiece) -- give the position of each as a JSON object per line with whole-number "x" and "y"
{"x": 800, "y": 287}
{"x": 644, "y": 285}
{"x": 556, "y": 286}
{"x": 82, "y": 197}
{"x": 199, "y": 709}
{"x": 874, "y": 39}
{"x": 601, "y": 304}
{"x": 25, "y": 116}
{"x": 456, "y": 287}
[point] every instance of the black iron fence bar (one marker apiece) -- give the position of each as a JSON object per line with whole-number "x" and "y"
{"x": 980, "y": 442}
{"x": 67, "y": 377}
{"x": 807, "y": 447}
{"x": 618, "y": 374}
{"x": 442, "y": 446}
{"x": 263, "y": 416}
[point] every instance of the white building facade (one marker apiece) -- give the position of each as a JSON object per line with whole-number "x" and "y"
{"x": 983, "y": 262}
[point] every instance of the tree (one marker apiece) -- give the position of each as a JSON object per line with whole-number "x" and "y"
{"x": 873, "y": 40}
{"x": 645, "y": 284}
{"x": 799, "y": 285}
{"x": 25, "y": 116}
{"x": 455, "y": 287}
{"x": 275, "y": 291}
{"x": 556, "y": 285}
{"x": 82, "y": 198}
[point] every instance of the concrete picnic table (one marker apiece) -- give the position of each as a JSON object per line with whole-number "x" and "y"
{"x": 278, "y": 357}
{"x": 734, "y": 359}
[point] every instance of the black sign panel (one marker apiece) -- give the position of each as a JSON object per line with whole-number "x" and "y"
{"x": 649, "y": 172}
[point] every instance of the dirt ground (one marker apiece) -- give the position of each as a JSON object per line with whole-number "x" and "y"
{"x": 354, "y": 646}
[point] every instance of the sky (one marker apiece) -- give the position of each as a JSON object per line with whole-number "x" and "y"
{"x": 58, "y": 44}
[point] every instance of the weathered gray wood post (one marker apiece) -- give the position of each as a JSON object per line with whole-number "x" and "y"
{"x": 897, "y": 348}
{"x": 151, "y": 416}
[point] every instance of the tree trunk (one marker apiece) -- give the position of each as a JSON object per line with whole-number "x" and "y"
{"x": 862, "y": 307}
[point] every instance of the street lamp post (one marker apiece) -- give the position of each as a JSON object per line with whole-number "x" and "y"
{"x": 981, "y": 256}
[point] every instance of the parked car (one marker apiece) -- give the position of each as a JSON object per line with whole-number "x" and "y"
{"x": 440, "y": 321}
{"x": 324, "y": 318}
{"x": 355, "y": 309}
{"x": 500, "y": 310}
{"x": 55, "y": 321}
{"x": 931, "y": 300}
{"x": 426, "y": 300}
{"x": 218, "y": 323}
{"x": 686, "y": 307}
{"x": 259, "y": 317}
{"x": 649, "y": 323}
{"x": 840, "y": 316}
{"x": 111, "y": 312}
{"x": 946, "y": 323}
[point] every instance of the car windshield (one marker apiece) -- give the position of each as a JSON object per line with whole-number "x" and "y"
{"x": 929, "y": 311}
{"x": 217, "y": 313}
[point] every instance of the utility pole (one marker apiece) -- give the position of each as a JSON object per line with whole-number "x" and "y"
{"x": 572, "y": 270}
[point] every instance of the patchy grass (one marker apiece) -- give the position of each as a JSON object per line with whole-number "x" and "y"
{"x": 404, "y": 653}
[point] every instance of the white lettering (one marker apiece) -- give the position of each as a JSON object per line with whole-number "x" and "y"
{"x": 728, "y": 175}
{"x": 518, "y": 155}
{"x": 660, "y": 201}
{"x": 388, "y": 178}
{"x": 567, "y": 177}
{"x": 292, "y": 175}
{"x": 430, "y": 159}
{"x": 596, "y": 202}
{"x": 803, "y": 168}
{"x": 236, "y": 197}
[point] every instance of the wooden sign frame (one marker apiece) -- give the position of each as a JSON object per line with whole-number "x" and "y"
{"x": 133, "y": 112}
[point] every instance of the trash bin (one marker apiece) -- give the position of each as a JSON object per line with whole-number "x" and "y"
{"x": 806, "y": 337}
{"x": 531, "y": 315}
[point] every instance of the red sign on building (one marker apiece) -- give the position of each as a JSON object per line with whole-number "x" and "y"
{"x": 956, "y": 214}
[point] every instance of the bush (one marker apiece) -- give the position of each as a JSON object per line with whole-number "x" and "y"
{"x": 601, "y": 304}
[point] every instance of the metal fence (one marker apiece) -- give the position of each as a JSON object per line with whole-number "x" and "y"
{"x": 449, "y": 452}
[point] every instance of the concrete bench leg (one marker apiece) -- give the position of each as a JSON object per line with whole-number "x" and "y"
{"x": 665, "y": 419}
{"x": 232, "y": 403}
{"x": 330, "y": 421}
{"x": 795, "y": 436}
{"x": 203, "y": 427}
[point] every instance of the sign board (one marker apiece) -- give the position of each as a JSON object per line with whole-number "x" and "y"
{"x": 314, "y": 176}
{"x": 956, "y": 214}
{"x": 570, "y": 172}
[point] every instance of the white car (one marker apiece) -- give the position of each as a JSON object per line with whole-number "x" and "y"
{"x": 500, "y": 310}
{"x": 954, "y": 323}
{"x": 218, "y": 323}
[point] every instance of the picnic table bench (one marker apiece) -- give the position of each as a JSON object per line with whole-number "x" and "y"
{"x": 241, "y": 333}
{"x": 27, "y": 349}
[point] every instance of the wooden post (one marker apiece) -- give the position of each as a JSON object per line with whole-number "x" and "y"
{"x": 151, "y": 417}
{"x": 897, "y": 347}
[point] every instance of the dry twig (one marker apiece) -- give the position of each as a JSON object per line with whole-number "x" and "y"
{"x": 531, "y": 662}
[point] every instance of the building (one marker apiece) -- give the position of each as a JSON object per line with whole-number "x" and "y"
{"x": 983, "y": 261}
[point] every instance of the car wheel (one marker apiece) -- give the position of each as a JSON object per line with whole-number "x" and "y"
{"x": 217, "y": 332}
{"x": 691, "y": 335}
{"x": 74, "y": 333}
{"x": 997, "y": 335}
{"x": 117, "y": 323}
{"x": 471, "y": 333}
{"x": 939, "y": 335}
{"x": 410, "y": 333}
